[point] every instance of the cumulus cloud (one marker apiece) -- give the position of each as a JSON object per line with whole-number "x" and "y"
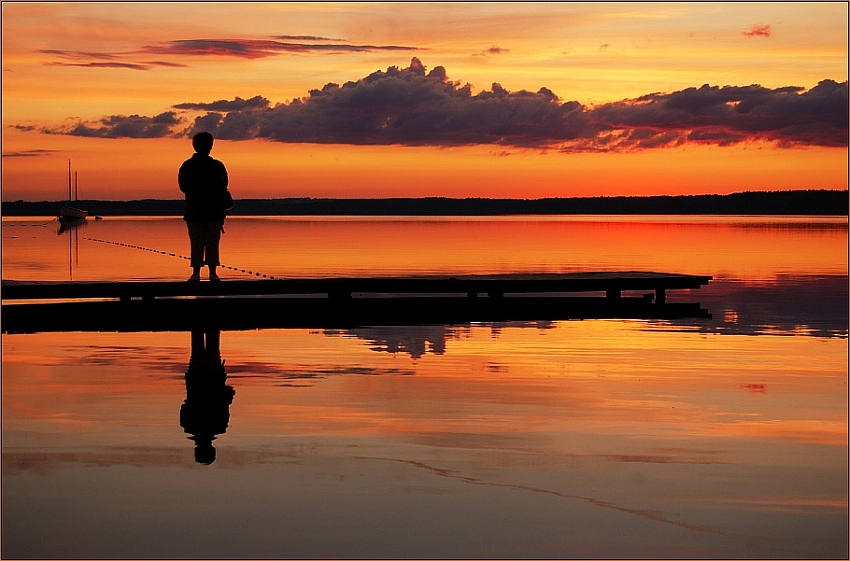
{"x": 758, "y": 31}
{"x": 238, "y": 104}
{"x": 731, "y": 114}
{"x": 122, "y": 126}
{"x": 412, "y": 106}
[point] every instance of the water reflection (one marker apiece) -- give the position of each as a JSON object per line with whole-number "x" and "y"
{"x": 206, "y": 412}
{"x": 563, "y": 442}
{"x": 810, "y": 305}
{"x": 596, "y": 439}
{"x": 802, "y": 305}
{"x": 419, "y": 340}
{"x": 71, "y": 226}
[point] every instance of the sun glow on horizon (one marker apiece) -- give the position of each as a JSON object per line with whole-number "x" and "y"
{"x": 136, "y": 86}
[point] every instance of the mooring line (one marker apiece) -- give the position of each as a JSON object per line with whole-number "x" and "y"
{"x": 170, "y": 254}
{"x": 45, "y": 225}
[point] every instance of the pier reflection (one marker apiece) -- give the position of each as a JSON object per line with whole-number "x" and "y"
{"x": 206, "y": 412}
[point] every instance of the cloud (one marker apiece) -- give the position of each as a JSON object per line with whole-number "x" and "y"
{"x": 90, "y": 59}
{"x": 306, "y": 38}
{"x": 24, "y": 128}
{"x": 238, "y": 104}
{"x": 494, "y": 50}
{"x": 414, "y": 107}
{"x": 732, "y": 114}
{"x": 29, "y": 153}
{"x": 256, "y": 48}
{"x": 758, "y": 31}
{"x": 234, "y": 48}
{"x": 125, "y": 65}
{"x": 121, "y": 126}
{"x": 408, "y": 106}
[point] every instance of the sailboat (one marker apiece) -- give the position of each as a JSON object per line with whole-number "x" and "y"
{"x": 69, "y": 213}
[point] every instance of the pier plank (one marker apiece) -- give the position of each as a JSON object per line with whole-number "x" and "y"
{"x": 612, "y": 283}
{"x": 35, "y": 306}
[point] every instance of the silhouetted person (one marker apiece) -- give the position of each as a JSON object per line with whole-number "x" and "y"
{"x": 203, "y": 180}
{"x": 206, "y": 411}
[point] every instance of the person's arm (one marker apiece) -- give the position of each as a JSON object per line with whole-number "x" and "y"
{"x": 182, "y": 180}
{"x": 224, "y": 175}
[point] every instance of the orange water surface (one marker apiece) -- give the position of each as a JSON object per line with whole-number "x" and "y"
{"x": 724, "y": 437}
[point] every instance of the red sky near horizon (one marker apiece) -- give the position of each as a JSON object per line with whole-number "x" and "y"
{"x": 435, "y": 99}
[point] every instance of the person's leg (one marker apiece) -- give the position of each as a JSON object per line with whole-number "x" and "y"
{"x": 212, "y": 240}
{"x": 196, "y": 255}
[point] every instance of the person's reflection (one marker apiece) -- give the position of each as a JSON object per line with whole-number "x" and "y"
{"x": 206, "y": 411}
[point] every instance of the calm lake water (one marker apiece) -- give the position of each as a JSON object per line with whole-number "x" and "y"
{"x": 722, "y": 437}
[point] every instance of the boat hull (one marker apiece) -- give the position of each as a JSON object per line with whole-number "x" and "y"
{"x": 72, "y": 213}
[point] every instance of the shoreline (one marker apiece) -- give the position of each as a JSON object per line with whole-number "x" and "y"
{"x": 801, "y": 203}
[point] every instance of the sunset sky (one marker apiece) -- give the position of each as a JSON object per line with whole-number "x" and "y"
{"x": 523, "y": 100}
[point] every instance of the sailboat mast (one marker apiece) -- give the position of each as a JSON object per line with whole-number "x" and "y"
{"x": 69, "y": 180}
{"x": 75, "y": 185}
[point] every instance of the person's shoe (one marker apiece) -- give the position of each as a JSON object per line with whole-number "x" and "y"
{"x": 214, "y": 277}
{"x": 196, "y": 277}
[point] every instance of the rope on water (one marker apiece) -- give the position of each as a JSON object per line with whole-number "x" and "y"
{"x": 169, "y": 254}
{"x": 45, "y": 225}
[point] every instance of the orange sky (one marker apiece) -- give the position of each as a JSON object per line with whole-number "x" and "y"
{"x": 116, "y": 88}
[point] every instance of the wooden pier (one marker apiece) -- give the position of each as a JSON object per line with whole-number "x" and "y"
{"x": 31, "y": 306}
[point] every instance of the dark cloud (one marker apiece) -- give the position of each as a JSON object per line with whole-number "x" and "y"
{"x": 121, "y": 126}
{"x": 758, "y": 31}
{"x": 306, "y": 38}
{"x": 89, "y": 59}
{"x": 24, "y": 128}
{"x": 257, "y": 48}
{"x": 733, "y": 114}
{"x": 29, "y": 153}
{"x": 236, "y": 48}
{"x": 238, "y": 104}
{"x": 494, "y": 50}
{"x": 412, "y": 106}
{"x": 79, "y": 55}
{"x": 125, "y": 65}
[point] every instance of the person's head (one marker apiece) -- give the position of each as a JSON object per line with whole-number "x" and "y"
{"x": 202, "y": 143}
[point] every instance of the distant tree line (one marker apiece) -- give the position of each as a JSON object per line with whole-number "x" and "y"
{"x": 808, "y": 202}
